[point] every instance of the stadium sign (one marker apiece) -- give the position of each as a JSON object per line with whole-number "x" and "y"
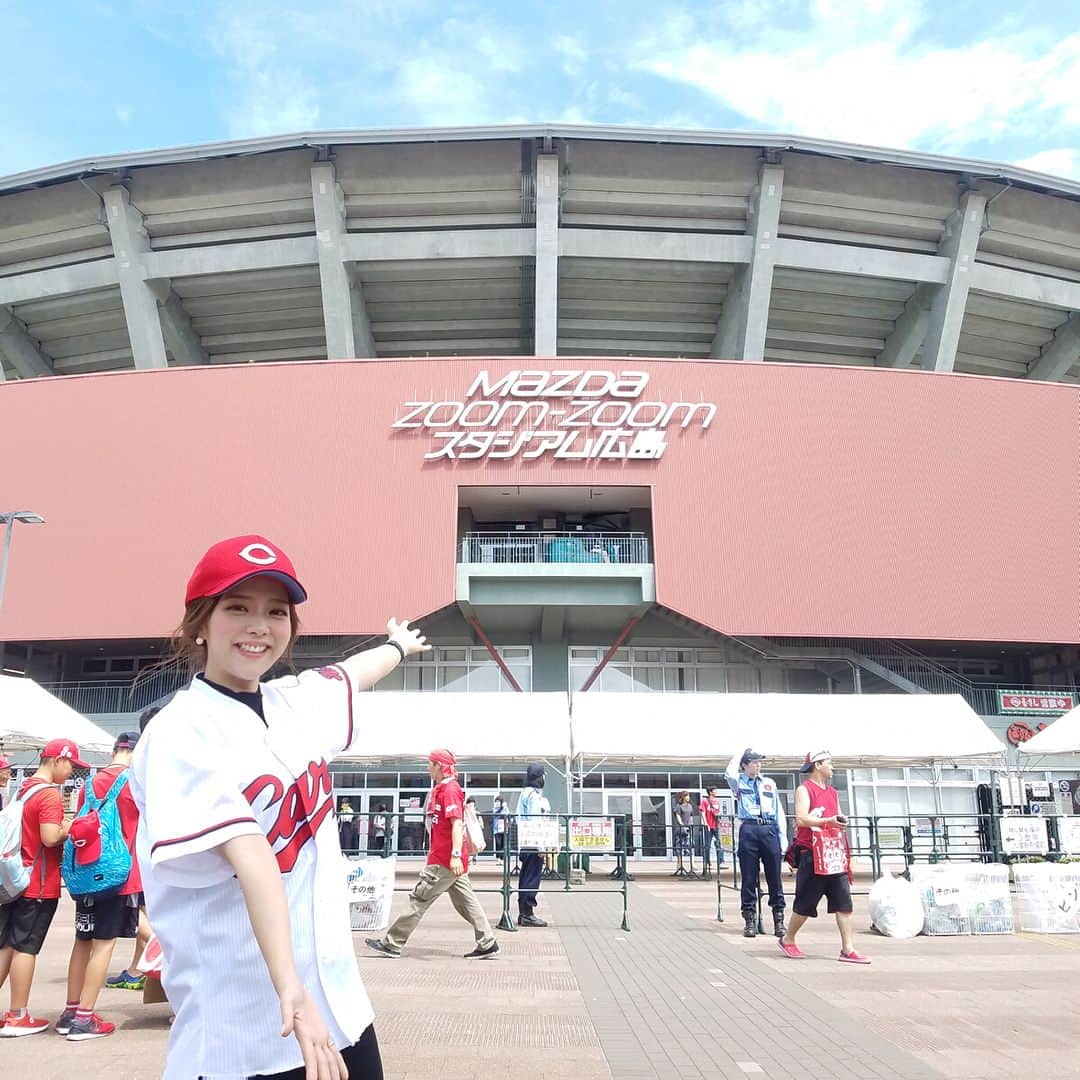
{"x": 580, "y": 415}
{"x": 1015, "y": 702}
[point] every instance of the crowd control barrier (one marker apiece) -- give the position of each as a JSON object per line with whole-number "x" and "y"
{"x": 569, "y": 840}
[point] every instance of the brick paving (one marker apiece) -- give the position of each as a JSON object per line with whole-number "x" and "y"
{"x": 681, "y": 995}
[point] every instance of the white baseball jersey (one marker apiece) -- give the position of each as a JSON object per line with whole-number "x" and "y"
{"x": 207, "y": 770}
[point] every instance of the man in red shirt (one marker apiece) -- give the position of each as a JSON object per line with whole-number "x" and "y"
{"x": 447, "y": 867}
{"x": 25, "y": 922}
{"x": 99, "y": 921}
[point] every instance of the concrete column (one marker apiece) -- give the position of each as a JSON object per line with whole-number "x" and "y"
{"x": 22, "y": 352}
{"x": 348, "y": 331}
{"x": 180, "y": 335}
{"x": 740, "y": 333}
{"x": 130, "y": 246}
{"x": 947, "y": 309}
{"x": 910, "y": 330}
{"x": 546, "y": 306}
{"x": 1060, "y": 354}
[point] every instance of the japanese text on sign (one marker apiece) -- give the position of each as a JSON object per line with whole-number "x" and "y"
{"x": 541, "y": 833}
{"x": 1024, "y": 836}
{"x": 1069, "y": 834}
{"x": 592, "y": 834}
{"x": 1016, "y": 701}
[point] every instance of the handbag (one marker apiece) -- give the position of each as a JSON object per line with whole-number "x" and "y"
{"x": 474, "y": 832}
{"x": 829, "y": 845}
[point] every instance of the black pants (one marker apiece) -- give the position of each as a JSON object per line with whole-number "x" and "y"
{"x": 532, "y": 865}
{"x": 500, "y": 842}
{"x": 760, "y": 845}
{"x": 362, "y": 1060}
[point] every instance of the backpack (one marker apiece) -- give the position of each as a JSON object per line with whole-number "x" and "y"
{"x": 14, "y": 875}
{"x": 107, "y": 874}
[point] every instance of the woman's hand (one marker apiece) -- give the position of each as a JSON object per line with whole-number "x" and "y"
{"x": 300, "y": 1018}
{"x": 411, "y": 640}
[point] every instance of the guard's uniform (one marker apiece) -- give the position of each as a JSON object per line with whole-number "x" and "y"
{"x": 762, "y": 836}
{"x": 208, "y": 770}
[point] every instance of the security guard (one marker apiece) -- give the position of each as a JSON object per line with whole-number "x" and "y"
{"x": 762, "y": 836}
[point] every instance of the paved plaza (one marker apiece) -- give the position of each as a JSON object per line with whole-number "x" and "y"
{"x": 682, "y": 995}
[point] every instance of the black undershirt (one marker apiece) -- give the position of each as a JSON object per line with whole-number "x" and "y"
{"x": 252, "y": 699}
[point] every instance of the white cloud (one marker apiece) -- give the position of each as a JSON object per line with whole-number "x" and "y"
{"x": 270, "y": 97}
{"x": 1061, "y": 162}
{"x": 864, "y": 74}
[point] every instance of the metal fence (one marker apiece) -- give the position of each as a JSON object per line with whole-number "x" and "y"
{"x": 554, "y": 547}
{"x": 119, "y": 697}
{"x": 384, "y": 834}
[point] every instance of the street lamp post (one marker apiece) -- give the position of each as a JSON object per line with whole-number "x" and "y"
{"x": 28, "y": 517}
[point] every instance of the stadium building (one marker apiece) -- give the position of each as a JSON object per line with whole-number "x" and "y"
{"x": 604, "y": 409}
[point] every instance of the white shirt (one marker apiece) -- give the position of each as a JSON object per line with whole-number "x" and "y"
{"x": 207, "y": 770}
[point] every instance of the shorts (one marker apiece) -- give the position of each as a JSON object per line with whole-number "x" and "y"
{"x": 24, "y": 924}
{"x": 811, "y": 887}
{"x": 103, "y": 918}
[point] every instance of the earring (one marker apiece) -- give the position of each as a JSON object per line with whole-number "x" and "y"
{"x": 199, "y": 641}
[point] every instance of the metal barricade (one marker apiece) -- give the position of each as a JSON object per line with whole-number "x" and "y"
{"x": 570, "y": 838}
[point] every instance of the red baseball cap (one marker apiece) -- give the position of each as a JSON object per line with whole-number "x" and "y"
{"x": 231, "y": 561}
{"x": 5, "y": 762}
{"x": 64, "y": 748}
{"x": 85, "y": 836}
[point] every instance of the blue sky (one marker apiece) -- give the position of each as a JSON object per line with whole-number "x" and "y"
{"x": 991, "y": 79}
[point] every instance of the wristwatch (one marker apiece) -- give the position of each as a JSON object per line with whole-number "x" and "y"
{"x": 455, "y": 854}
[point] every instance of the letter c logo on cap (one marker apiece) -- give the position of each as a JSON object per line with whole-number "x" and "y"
{"x": 259, "y": 554}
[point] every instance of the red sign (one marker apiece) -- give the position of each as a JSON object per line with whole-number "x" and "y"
{"x": 1020, "y": 733}
{"x": 1016, "y": 701}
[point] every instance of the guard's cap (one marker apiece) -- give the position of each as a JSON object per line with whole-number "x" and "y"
{"x": 231, "y": 561}
{"x": 749, "y": 755}
{"x": 64, "y": 748}
{"x": 813, "y": 759}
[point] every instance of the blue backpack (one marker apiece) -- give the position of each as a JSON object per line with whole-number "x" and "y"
{"x": 108, "y": 873}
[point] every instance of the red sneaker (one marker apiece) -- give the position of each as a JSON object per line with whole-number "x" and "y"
{"x": 94, "y": 1028}
{"x": 791, "y": 949}
{"x": 14, "y": 1026}
{"x": 853, "y": 958}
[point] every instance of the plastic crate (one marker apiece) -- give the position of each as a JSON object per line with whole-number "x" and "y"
{"x": 1048, "y": 897}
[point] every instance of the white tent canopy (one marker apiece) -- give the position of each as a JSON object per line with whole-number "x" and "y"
{"x": 30, "y": 717}
{"x": 406, "y": 725}
{"x": 1061, "y": 737}
{"x": 858, "y": 729}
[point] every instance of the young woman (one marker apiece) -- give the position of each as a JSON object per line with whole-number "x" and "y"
{"x": 237, "y": 841}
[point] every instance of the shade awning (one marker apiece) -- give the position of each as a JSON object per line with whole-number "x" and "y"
{"x": 30, "y": 717}
{"x": 858, "y": 729}
{"x": 1061, "y": 737}
{"x": 407, "y": 725}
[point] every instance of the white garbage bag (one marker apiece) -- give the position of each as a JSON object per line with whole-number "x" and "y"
{"x": 896, "y": 908}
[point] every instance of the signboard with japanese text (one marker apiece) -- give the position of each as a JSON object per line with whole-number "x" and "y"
{"x": 592, "y": 834}
{"x": 1017, "y": 702}
{"x": 541, "y": 833}
{"x": 1024, "y": 836}
{"x": 1069, "y": 835}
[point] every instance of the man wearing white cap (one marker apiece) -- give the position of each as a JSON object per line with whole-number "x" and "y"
{"x": 817, "y": 807}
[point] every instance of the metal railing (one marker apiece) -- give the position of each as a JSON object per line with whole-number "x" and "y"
{"x": 554, "y": 547}
{"x": 108, "y": 696}
{"x": 405, "y": 834}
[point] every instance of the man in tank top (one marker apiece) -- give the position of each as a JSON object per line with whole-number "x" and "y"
{"x": 817, "y": 804}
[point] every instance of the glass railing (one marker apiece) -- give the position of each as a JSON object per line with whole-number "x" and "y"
{"x": 554, "y": 547}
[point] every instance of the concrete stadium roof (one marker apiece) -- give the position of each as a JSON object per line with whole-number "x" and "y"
{"x": 540, "y": 240}
{"x": 974, "y": 167}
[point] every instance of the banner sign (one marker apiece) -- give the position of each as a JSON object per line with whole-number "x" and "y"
{"x": 1069, "y": 835}
{"x": 1038, "y": 704}
{"x": 575, "y": 415}
{"x": 541, "y": 833}
{"x": 1024, "y": 835}
{"x": 591, "y": 834}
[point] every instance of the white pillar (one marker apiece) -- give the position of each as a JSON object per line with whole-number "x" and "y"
{"x": 546, "y": 303}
